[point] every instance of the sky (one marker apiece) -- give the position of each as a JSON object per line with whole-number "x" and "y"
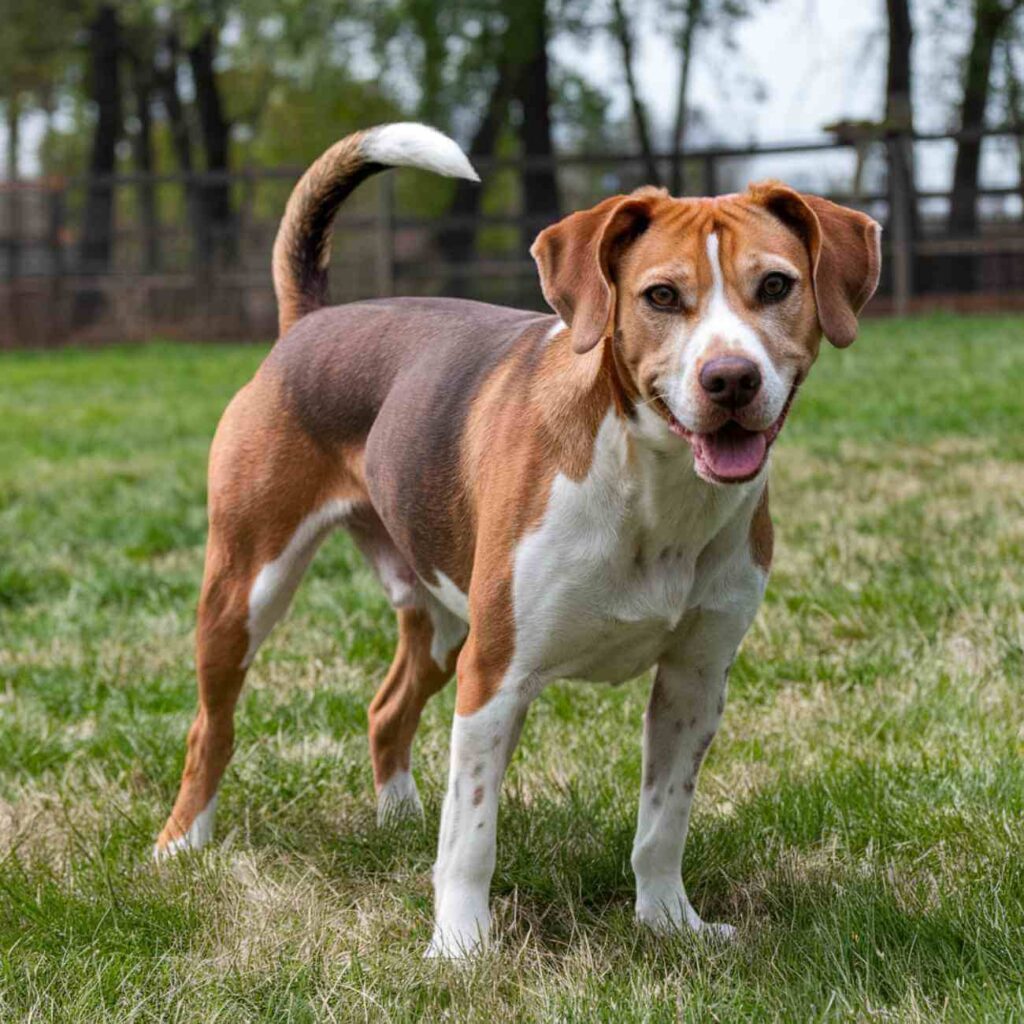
{"x": 807, "y": 54}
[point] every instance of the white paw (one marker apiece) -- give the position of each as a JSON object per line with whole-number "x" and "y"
{"x": 398, "y": 800}
{"x": 717, "y": 931}
{"x": 448, "y": 944}
{"x": 671, "y": 913}
{"x": 200, "y": 834}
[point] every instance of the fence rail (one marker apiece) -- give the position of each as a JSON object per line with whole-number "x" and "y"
{"x": 168, "y": 267}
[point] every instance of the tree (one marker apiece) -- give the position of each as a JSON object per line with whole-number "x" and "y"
{"x": 35, "y": 45}
{"x": 899, "y": 126}
{"x": 623, "y": 32}
{"x": 104, "y": 44}
{"x": 1014, "y": 79}
{"x": 699, "y": 21}
{"x": 529, "y": 28}
{"x": 991, "y": 19}
{"x": 215, "y": 132}
{"x": 692, "y": 13}
{"x": 139, "y": 47}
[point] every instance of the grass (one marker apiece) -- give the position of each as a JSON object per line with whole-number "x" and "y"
{"x": 861, "y": 816}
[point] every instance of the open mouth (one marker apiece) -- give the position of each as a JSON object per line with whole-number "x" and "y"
{"x": 732, "y": 454}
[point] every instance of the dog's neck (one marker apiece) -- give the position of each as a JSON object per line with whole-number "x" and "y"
{"x": 601, "y": 425}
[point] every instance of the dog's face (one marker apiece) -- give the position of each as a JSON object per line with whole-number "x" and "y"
{"x": 716, "y": 307}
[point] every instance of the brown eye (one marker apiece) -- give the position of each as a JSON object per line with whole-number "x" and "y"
{"x": 662, "y": 296}
{"x": 774, "y": 287}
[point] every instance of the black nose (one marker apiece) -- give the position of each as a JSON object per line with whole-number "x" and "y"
{"x": 730, "y": 381}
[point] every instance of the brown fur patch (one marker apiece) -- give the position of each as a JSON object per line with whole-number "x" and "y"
{"x": 303, "y": 245}
{"x": 542, "y": 413}
{"x": 265, "y": 477}
{"x": 762, "y": 533}
{"x": 411, "y": 681}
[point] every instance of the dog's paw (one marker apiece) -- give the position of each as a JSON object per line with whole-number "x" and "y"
{"x": 398, "y": 800}
{"x": 199, "y": 834}
{"x": 671, "y": 913}
{"x": 665, "y": 925}
{"x": 452, "y": 945}
{"x": 717, "y": 931}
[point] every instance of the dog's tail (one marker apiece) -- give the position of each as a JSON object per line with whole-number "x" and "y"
{"x": 302, "y": 249}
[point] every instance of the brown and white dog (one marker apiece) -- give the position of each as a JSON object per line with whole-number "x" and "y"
{"x": 582, "y": 495}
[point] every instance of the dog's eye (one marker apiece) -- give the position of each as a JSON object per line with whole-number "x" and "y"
{"x": 662, "y": 296}
{"x": 774, "y": 287}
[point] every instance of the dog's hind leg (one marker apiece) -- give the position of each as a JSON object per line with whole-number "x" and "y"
{"x": 240, "y": 603}
{"x": 271, "y": 504}
{"x": 429, "y": 640}
{"x": 222, "y": 644}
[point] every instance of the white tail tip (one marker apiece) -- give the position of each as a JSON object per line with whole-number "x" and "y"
{"x": 408, "y": 144}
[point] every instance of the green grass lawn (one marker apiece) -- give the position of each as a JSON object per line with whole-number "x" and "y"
{"x": 860, "y": 817}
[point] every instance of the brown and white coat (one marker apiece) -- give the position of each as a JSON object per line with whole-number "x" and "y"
{"x": 581, "y": 495}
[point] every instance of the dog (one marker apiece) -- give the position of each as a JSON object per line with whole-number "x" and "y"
{"x": 541, "y": 496}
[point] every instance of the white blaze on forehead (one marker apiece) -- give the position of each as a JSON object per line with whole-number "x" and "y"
{"x": 720, "y": 325}
{"x": 720, "y": 321}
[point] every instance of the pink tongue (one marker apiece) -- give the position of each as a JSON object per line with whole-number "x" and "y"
{"x": 732, "y": 453}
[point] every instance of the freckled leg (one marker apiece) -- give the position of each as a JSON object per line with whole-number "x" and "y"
{"x": 482, "y": 745}
{"x": 686, "y": 704}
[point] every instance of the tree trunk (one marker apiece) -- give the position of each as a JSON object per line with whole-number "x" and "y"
{"x": 457, "y": 242}
{"x": 694, "y": 10}
{"x": 423, "y": 14}
{"x": 989, "y": 21}
{"x": 990, "y": 18}
{"x": 621, "y": 29}
{"x": 181, "y": 140}
{"x": 540, "y": 179}
{"x": 167, "y": 85}
{"x": 215, "y": 131}
{"x": 13, "y": 111}
{"x": 105, "y": 91}
{"x": 899, "y": 119}
{"x": 13, "y": 195}
{"x": 142, "y": 153}
{"x": 98, "y": 218}
{"x": 1015, "y": 103}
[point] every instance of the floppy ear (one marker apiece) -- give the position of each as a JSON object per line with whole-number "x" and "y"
{"x": 576, "y": 258}
{"x": 845, "y": 257}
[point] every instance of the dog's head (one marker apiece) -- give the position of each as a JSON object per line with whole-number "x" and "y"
{"x": 715, "y": 307}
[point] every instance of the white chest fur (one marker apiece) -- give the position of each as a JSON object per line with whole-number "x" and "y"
{"x": 621, "y": 556}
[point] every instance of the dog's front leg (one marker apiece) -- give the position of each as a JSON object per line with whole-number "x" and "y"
{"x": 685, "y": 707}
{"x": 482, "y": 744}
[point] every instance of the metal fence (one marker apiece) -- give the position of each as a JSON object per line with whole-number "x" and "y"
{"x": 189, "y": 255}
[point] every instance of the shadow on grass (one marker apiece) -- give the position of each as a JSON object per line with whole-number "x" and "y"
{"x": 832, "y": 869}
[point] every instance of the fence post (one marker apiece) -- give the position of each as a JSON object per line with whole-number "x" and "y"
{"x": 710, "y": 185}
{"x": 386, "y": 236}
{"x": 900, "y": 198}
{"x": 14, "y": 222}
{"x": 57, "y": 218}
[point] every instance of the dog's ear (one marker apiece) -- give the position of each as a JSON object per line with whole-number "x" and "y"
{"x": 843, "y": 245}
{"x": 576, "y": 259}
